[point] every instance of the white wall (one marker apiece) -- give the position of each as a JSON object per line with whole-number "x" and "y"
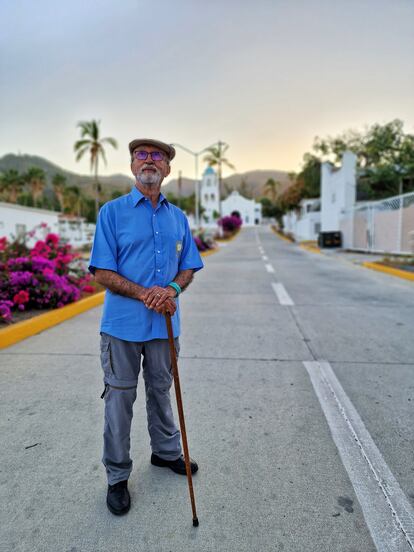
{"x": 304, "y": 225}
{"x": 250, "y": 211}
{"x": 338, "y": 189}
{"x": 18, "y": 219}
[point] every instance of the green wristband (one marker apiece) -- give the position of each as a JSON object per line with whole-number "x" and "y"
{"x": 175, "y": 286}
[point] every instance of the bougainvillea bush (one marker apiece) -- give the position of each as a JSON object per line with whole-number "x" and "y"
{"x": 230, "y": 224}
{"x": 203, "y": 240}
{"x": 46, "y": 276}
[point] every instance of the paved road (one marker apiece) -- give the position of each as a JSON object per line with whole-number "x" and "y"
{"x": 297, "y": 371}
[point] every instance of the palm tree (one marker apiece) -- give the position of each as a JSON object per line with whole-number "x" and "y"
{"x": 36, "y": 178}
{"x": 11, "y": 184}
{"x": 72, "y": 201}
{"x": 91, "y": 143}
{"x": 215, "y": 157}
{"x": 272, "y": 187}
{"x": 59, "y": 187}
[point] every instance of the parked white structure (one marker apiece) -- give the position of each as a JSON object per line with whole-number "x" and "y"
{"x": 304, "y": 224}
{"x": 16, "y": 220}
{"x": 250, "y": 211}
{"x": 209, "y": 196}
{"x": 338, "y": 191}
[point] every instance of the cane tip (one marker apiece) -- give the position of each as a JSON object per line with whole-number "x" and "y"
{"x": 195, "y": 522}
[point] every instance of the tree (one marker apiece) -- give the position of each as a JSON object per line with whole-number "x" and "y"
{"x": 11, "y": 185}
{"x": 72, "y": 200}
{"x": 91, "y": 143}
{"x": 215, "y": 157}
{"x": 385, "y": 157}
{"x": 271, "y": 188}
{"x": 36, "y": 179}
{"x": 59, "y": 187}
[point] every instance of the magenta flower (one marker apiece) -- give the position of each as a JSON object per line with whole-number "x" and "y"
{"x": 21, "y": 297}
{"x": 52, "y": 239}
{"x": 5, "y": 312}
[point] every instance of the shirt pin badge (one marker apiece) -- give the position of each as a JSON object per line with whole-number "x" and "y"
{"x": 178, "y": 246}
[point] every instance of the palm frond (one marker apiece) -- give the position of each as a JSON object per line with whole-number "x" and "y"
{"x": 111, "y": 141}
{"x": 81, "y": 153}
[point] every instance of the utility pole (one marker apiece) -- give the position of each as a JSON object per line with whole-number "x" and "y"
{"x": 220, "y": 143}
{"x": 179, "y": 189}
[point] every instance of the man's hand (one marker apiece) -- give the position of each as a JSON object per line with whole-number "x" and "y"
{"x": 154, "y": 297}
{"x": 168, "y": 306}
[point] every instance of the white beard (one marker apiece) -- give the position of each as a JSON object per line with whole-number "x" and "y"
{"x": 149, "y": 179}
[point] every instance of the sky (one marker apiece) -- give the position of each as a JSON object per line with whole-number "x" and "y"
{"x": 264, "y": 76}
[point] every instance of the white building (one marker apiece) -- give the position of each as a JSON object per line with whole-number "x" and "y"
{"x": 16, "y": 220}
{"x": 209, "y": 196}
{"x": 304, "y": 224}
{"x": 250, "y": 211}
{"x": 338, "y": 195}
{"x": 338, "y": 191}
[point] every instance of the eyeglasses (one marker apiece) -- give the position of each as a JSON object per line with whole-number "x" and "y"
{"x": 155, "y": 155}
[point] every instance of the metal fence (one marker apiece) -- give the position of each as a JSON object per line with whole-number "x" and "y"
{"x": 385, "y": 226}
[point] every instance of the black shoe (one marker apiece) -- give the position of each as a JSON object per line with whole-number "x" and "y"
{"x": 118, "y": 499}
{"x": 177, "y": 466}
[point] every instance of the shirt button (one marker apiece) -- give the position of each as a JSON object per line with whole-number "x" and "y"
{"x": 156, "y": 232}
{"x": 158, "y": 251}
{"x": 158, "y": 270}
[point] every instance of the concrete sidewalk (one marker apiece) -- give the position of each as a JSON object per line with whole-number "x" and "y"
{"x": 270, "y": 476}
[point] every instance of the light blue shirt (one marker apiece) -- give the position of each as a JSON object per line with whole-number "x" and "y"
{"x": 147, "y": 246}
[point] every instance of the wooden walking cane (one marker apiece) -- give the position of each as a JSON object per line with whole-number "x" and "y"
{"x": 181, "y": 415}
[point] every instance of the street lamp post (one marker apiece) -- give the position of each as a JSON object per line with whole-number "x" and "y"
{"x": 197, "y": 190}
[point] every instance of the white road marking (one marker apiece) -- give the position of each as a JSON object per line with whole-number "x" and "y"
{"x": 265, "y": 258}
{"x": 387, "y": 511}
{"x": 270, "y": 268}
{"x": 282, "y": 295}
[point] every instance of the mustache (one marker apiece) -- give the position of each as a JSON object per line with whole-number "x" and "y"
{"x": 152, "y": 167}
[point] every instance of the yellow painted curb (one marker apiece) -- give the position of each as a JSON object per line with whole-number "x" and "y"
{"x": 280, "y": 235}
{"x": 310, "y": 248}
{"x": 19, "y": 331}
{"x": 388, "y": 270}
{"x": 225, "y": 240}
{"x": 209, "y": 252}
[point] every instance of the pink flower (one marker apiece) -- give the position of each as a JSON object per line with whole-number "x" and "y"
{"x": 21, "y": 297}
{"x": 52, "y": 239}
{"x": 88, "y": 289}
{"x": 3, "y": 243}
{"x": 40, "y": 249}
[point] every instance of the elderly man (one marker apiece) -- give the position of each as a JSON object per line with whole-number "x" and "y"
{"x": 145, "y": 256}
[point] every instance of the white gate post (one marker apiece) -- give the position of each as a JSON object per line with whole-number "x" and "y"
{"x": 400, "y": 218}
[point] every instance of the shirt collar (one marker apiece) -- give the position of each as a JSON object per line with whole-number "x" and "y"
{"x": 138, "y": 196}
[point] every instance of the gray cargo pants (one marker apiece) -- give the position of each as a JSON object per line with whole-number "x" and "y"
{"x": 121, "y": 362}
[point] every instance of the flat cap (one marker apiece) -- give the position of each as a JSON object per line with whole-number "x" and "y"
{"x": 166, "y": 148}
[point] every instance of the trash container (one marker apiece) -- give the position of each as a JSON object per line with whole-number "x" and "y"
{"x": 330, "y": 239}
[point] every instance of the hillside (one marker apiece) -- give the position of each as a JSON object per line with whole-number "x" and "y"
{"x": 254, "y": 183}
{"x": 22, "y": 163}
{"x": 252, "y": 187}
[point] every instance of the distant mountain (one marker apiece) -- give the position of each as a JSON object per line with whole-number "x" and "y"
{"x": 22, "y": 163}
{"x": 250, "y": 183}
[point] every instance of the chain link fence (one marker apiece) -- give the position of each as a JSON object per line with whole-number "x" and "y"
{"x": 385, "y": 226}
